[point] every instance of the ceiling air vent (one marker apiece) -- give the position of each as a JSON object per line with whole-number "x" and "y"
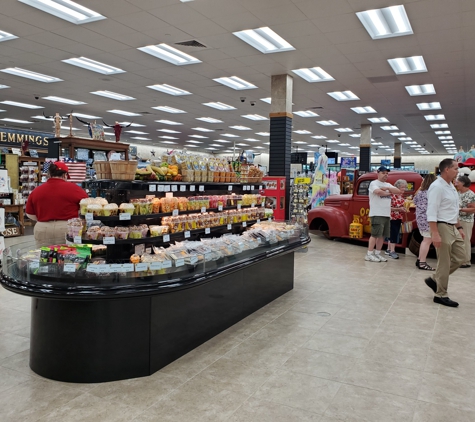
{"x": 382, "y": 79}
{"x": 191, "y": 43}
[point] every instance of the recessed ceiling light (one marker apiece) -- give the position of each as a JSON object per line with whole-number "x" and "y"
{"x": 198, "y": 136}
{"x": 63, "y": 100}
{"x": 264, "y": 39}
{"x": 267, "y": 100}
{"x": 378, "y": 120}
{"x": 124, "y": 123}
{"x": 333, "y": 141}
{"x": 18, "y": 71}
{"x": 242, "y": 145}
{"x": 411, "y": 143}
{"x": 168, "y": 142}
{"x": 191, "y": 146}
{"x": 168, "y": 137}
{"x": 259, "y": 147}
{"x": 302, "y": 132}
{"x": 386, "y": 22}
{"x": 343, "y": 96}
{"x": 439, "y": 126}
{"x": 353, "y": 147}
{"x": 219, "y": 106}
{"x": 263, "y": 133}
{"x": 93, "y": 65}
{"x": 398, "y": 134}
{"x": 113, "y": 95}
{"x": 86, "y": 116}
{"x": 429, "y": 106}
{"x": 167, "y": 131}
{"x": 240, "y": 127}
{"x": 314, "y": 74}
{"x": 418, "y": 90}
{"x": 392, "y": 127}
{"x": 6, "y": 119}
{"x": 168, "y": 122}
{"x": 266, "y": 143}
{"x": 363, "y": 110}
{"x": 235, "y": 83}
{"x": 377, "y": 143}
{"x": 17, "y": 104}
{"x": 209, "y": 120}
{"x": 5, "y": 36}
{"x": 229, "y": 135}
{"x": 355, "y": 135}
{"x": 169, "y": 109}
{"x": 4, "y": 86}
{"x": 140, "y": 138}
{"x": 254, "y": 117}
{"x": 169, "y": 54}
{"x": 222, "y": 141}
{"x": 137, "y": 132}
{"x": 211, "y": 148}
{"x": 252, "y": 140}
{"x": 406, "y": 138}
{"x": 306, "y": 113}
{"x": 66, "y": 9}
{"x": 194, "y": 142}
{"x": 298, "y": 142}
{"x": 406, "y": 65}
{"x": 124, "y": 113}
{"x": 344, "y": 129}
{"x": 442, "y": 132}
{"x": 327, "y": 122}
{"x": 319, "y": 137}
{"x": 446, "y": 137}
{"x": 345, "y": 145}
{"x": 202, "y": 129}
{"x": 431, "y": 117}
{"x": 168, "y": 89}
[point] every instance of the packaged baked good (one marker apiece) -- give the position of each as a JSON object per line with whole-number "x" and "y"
{"x": 110, "y": 210}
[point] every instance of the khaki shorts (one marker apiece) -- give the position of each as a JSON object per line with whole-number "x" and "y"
{"x": 380, "y": 226}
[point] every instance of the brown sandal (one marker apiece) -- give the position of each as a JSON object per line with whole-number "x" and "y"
{"x": 425, "y": 266}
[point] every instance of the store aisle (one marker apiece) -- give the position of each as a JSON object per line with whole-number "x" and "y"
{"x": 354, "y": 341}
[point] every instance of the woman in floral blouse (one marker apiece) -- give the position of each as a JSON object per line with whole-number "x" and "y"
{"x": 397, "y": 211}
{"x": 466, "y": 197}
{"x": 420, "y": 200}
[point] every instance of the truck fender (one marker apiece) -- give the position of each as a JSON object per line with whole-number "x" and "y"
{"x": 336, "y": 221}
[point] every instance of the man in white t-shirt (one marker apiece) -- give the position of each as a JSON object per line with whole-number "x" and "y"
{"x": 380, "y": 213}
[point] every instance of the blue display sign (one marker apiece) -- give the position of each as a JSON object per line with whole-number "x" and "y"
{"x": 386, "y": 163}
{"x": 348, "y": 163}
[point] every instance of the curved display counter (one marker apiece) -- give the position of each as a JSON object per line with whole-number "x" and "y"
{"x": 97, "y": 322}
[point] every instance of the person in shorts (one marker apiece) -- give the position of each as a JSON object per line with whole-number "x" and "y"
{"x": 380, "y": 213}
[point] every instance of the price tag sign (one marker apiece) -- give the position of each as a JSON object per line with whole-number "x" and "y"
{"x": 230, "y": 226}
{"x": 230, "y": 188}
{"x": 127, "y": 268}
{"x": 187, "y": 234}
{"x": 89, "y": 216}
{"x": 201, "y": 188}
{"x": 142, "y": 266}
{"x": 220, "y": 208}
{"x": 253, "y": 205}
{"x": 203, "y": 210}
{"x": 166, "y": 238}
{"x": 252, "y": 188}
{"x": 192, "y": 188}
{"x": 124, "y": 216}
{"x": 115, "y": 268}
{"x": 69, "y": 268}
{"x": 92, "y": 268}
{"x": 207, "y": 230}
{"x": 103, "y": 268}
{"x": 174, "y": 188}
{"x": 179, "y": 262}
{"x": 160, "y": 188}
{"x": 258, "y": 220}
{"x": 43, "y": 269}
{"x": 182, "y": 188}
{"x": 156, "y": 266}
{"x": 166, "y": 264}
{"x": 244, "y": 223}
{"x": 166, "y": 188}
{"x": 34, "y": 264}
{"x": 175, "y": 213}
{"x": 77, "y": 239}
{"x": 238, "y": 206}
{"x": 260, "y": 187}
{"x": 109, "y": 240}
{"x": 152, "y": 188}
{"x": 270, "y": 219}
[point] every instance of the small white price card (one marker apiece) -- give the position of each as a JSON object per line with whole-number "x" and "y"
{"x": 174, "y": 188}
{"x": 89, "y": 216}
{"x": 166, "y": 237}
{"x": 187, "y": 234}
{"x": 160, "y": 188}
{"x": 230, "y": 188}
{"x": 103, "y": 268}
{"x": 207, "y": 230}
{"x": 253, "y": 205}
{"x": 156, "y": 266}
{"x": 152, "y": 188}
{"x": 220, "y": 208}
{"x": 179, "y": 262}
{"x": 34, "y": 264}
{"x": 258, "y": 220}
{"x": 175, "y": 213}
{"x": 238, "y": 206}
{"x": 124, "y": 216}
{"x": 43, "y": 269}
{"x": 270, "y": 218}
{"x": 260, "y": 187}
{"x": 166, "y": 188}
{"x": 77, "y": 239}
{"x": 115, "y": 268}
{"x": 69, "y": 268}
{"x": 201, "y": 188}
{"x": 127, "y": 268}
{"x": 166, "y": 264}
{"x": 230, "y": 226}
{"x": 252, "y": 187}
{"x": 203, "y": 210}
{"x": 192, "y": 188}
{"x": 109, "y": 240}
{"x": 142, "y": 266}
{"x": 244, "y": 223}
{"x": 182, "y": 188}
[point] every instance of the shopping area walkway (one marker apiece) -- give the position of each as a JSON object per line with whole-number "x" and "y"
{"x": 354, "y": 341}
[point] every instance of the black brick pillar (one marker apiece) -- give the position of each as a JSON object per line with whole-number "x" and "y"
{"x": 365, "y": 158}
{"x": 397, "y": 162}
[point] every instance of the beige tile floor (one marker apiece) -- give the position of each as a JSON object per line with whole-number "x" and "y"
{"x": 355, "y": 341}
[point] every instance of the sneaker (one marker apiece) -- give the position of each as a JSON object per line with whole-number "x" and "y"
{"x": 371, "y": 257}
{"x": 393, "y": 255}
{"x": 381, "y": 258}
{"x": 387, "y": 252}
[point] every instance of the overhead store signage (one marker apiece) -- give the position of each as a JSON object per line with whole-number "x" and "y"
{"x": 14, "y": 137}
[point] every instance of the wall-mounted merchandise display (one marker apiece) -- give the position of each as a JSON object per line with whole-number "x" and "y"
{"x": 299, "y": 199}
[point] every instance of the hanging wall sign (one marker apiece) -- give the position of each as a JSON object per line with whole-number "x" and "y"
{"x": 14, "y": 138}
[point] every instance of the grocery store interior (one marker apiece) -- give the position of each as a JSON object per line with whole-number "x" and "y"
{"x": 351, "y": 340}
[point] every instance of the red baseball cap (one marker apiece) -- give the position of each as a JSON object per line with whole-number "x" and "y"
{"x": 469, "y": 162}
{"x": 62, "y": 166}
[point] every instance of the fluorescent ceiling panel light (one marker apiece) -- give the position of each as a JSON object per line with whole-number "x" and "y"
{"x": 194, "y": 142}
{"x": 446, "y": 137}
{"x": 363, "y": 110}
{"x": 229, "y": 135}
{"x": 209, "y": 120}
{"x": 267, "y": 100}
{"x": 392, "y": 127}
{"x": 429, "y": 106}
{"x": 18, "y": 71}
{"x": 398, "y": 134}
{"x": 405, "y": 138}
{"x": 343, "y": 96}
{"x": 418, "y": 90}
{"x": 327, "y": 122}
{"x": 242, "y": 145}
{"x": 137, "y": 132}
{"x": 251, "y": 140}
{"x": 377, "y": 143}
{"x": 216, "y": 145}
{"x": 124, "y": 113}
{"x": 222, "y": 141}
{"x": 386, "y": 22}
{"x": 266, "y": 143}
{"x": 191, "y": 146}
{"x": 442, "y": 132}
{"x": 303, "y": 132}
{"x": 406, "y": 65}
{"x": 235, "y": 83}
{"x": 353, "y": 147}
{"x": 168, "y": 122}
{"x": 63, "y": 100}
{"x": 140, "y": 138}
{"x": 86, "y": 116}
{"x": 306, "y": 113}
{"x": 219, "y": 106}
{"x": 167, "y": 131}
{"x": 6, "y": 119}
{"x": 439, "y": 126}
{"x": 411, "y": 143}
{"x": 378, "y": 120}
{"x": 4, "y": 86}
{"x": 168, "y": 137}
{"x": 263, "y": 133}
{"x": 66, "y": 9}
{"x": 126, "y": 123}
{"x": 345, "y": 145}
{"x": 211, "y": 148}
{"x": 319, "y": 137}
{"x": 113, "y": 95}
{"x": 202, "y": 129}
{"x": 169, "y": 54}
{"x": 298, "y": 142}
{"x": 198, "y": 136}
{"x": 314, "y": 74}
{"x": 333, "y": 141}
{"x": 93, "y": 65}
{"x": 240, "y": 127}
{"x": 344, "y": 129}
{"x": 254, "y": 117}
{"x": 314, "y": 145}
{"x": 431, "y": 117}
{"x": 169, "y": 109}
{"x": 259, "y": 147}
{"x": 168, "y": 142}
{"x": 23, "y": 105}
{"x": 5, "y": 36}
{"x": 265, "y": 40}
{"x": 355, "y": 135}
{"x": 447, "y": 142}
{"x": 169, "y": 89}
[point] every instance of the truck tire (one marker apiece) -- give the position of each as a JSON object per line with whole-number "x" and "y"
{"x": 320, "y": 227}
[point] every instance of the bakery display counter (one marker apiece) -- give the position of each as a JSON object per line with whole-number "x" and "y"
{"x": 94, "y": 320}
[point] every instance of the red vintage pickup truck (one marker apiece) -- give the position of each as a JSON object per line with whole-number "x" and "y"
{"x": 334, "y": 218}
